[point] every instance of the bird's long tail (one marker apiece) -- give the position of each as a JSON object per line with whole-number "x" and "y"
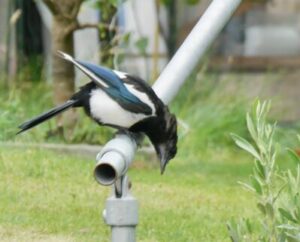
{"x": 45, "y": 116}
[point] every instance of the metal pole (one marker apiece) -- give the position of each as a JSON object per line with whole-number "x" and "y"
{"x": 166, "y": 87}
{"x": 121, "y": 212}
{"x": 193, "y": 48}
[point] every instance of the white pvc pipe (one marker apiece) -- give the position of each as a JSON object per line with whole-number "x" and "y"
{"x": 114, "y": 159}
{"x": 187, "y": 57}
{"x": 193, "y": 48}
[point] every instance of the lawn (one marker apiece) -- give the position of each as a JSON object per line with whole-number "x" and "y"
{"x": 48, "y": 196}
{"x": 53, "y": 197}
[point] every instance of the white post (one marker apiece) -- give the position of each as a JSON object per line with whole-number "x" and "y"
{"x": 193, "y": 48}
{"x": 167, "y": 86}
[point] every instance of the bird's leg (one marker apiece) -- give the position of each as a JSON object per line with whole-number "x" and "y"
{"x": 124, "y": 131}
{"x": 122, "y": 186}
{"x": 138, "y": 137}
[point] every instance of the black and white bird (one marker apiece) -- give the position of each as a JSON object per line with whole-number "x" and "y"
{"x": 122, "y": 101}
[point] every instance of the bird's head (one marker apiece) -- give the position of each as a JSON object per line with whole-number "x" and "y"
{"x": 162, "y": 132}
{"x": 166, "y": 144}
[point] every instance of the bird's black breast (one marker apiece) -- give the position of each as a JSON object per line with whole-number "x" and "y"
{"x": 153, "y": 127}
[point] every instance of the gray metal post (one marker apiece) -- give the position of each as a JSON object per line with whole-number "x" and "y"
{"x": 193, "y": 48}
{"x": 121, "y": 213}
{"x": 166, "y": 87}
{"x": 121, "y": 210}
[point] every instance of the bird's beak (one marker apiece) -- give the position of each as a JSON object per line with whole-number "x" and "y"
{"x": 163, "y": 156}
{"x": 163, "y": 163}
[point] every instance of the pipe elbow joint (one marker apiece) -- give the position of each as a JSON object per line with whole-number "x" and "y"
{"x": 114, "y": 159}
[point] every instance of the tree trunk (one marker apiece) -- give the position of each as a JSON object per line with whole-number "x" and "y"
{"x": 62, "y": 72}
{"x": 107, "y": 35}
{"x": 172, "y": 22}
{"x": 64, "y": 24}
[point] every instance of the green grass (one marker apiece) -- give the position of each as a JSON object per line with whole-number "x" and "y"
{"x": 31, "y": 99}
{"x": 201, "y": 105}
{"x": 55, "y": 196}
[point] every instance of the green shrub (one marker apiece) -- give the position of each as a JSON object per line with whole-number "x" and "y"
{"x": 31, "y": 99}
{"x": 276, "y": 190}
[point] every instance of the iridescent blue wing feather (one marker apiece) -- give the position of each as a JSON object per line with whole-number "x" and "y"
{"x": 110, "y": 83}
{"x": 115, "y": 88}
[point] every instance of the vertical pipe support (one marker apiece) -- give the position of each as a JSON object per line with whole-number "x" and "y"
{"x": 121, "y": 213}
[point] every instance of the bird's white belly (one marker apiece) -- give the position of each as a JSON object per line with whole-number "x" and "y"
{"x": 104, "y": 109}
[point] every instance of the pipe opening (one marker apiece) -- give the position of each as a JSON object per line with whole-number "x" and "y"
{"x": 105, "y": 174}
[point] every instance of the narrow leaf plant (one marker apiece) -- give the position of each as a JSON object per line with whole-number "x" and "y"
{"x": 276, "y": 191}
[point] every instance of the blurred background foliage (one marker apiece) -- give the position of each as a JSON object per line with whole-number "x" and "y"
{"x": 211, "y": 105}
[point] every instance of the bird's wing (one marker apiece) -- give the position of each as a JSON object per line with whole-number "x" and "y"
{"x": 112, "y": 84}
{"x": 85, "y": 70}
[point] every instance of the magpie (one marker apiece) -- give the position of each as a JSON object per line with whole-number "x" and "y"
{"x": 121, "y": 101}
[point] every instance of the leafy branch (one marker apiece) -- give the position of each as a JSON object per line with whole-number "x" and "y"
{"x": 276, "y": 191}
